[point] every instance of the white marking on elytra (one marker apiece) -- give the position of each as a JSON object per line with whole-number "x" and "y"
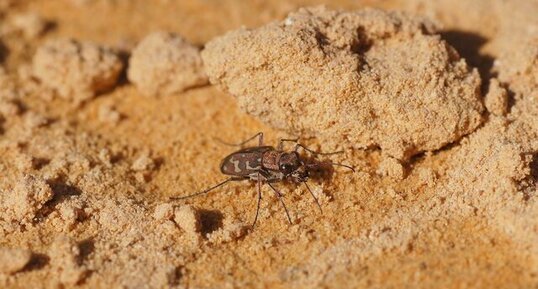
{"x": 236, "y": 165}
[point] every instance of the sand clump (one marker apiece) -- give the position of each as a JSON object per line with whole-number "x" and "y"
{"x": 143, "y": 162}
{"x": 71, "y": 214}
{"x": 164, "y": 63}
{"x": 29, "y": 25}
{"x": 520, "y": 69}
{"x": 363, "y": 78}
{"x": 108, "y": 114}
{"x": 26, "y": 199}
{"x": 188, "y": 219}
{"x": 143, "y": 166}
{"x": 231, "y": 231}
{"x": 13, "y": 260}
{"x": 427, "y": 176}
{"x": 9, "y": 107}
{"x": 496, "y": 99}
{"x": 164, "y": 212}
{"x": 65, "y": 257}
{"x": 34, "y": 120}
{"x": 392, "y": 168}
{"x": 9, "y": 96}
{"x": 77, "y": 71}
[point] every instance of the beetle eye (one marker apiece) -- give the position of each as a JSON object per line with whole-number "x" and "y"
{"x": 285, "y": 168}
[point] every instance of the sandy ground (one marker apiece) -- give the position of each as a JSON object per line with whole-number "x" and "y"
{"x": 90, "y": 154}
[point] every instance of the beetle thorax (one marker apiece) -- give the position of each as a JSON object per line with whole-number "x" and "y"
{"x": 283, "y": 162}
{"x": 271, "y": 159}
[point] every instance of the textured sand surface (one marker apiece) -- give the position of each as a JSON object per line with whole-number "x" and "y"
{"x": 165, "y": 63}
{"x": 364, "y": 78}
{"x": 76, "y": 70}
{"x": 435, "y": 104}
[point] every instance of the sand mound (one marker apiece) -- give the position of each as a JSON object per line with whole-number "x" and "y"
{"x": 23, "y": 202}
{"x": 30, "y": 25}
{"x": 164, "y": 63}
{"x": 13, "y": 260}
{"x": 65, "y": 258}
{"x": 364, "y": 78}
{"x": 77, "y": 71}
{"x": 521, "y": 69}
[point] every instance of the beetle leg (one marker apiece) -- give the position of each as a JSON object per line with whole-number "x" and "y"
{"x": 298, "y": 145}
{"x": 260, "y": 139}
{"x": 313, "y": 196}
{"x": 206, "y": 190}
{"x": 258, "y": 135}
{"x": 259, "y": 200}
{"x": 279, "y": 195}
{"x": 282, "y": 140}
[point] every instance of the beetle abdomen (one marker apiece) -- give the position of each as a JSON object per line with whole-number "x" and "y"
{"x": 243, "y": 162}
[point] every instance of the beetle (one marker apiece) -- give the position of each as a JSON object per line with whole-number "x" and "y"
{"x": 268, "y": 165}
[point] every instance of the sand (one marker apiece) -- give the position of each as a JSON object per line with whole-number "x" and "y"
{"x": 77, "y": 71}
{"x": 164, "y": 63}
{"x": 434, "y": 103}
{"x": 361, "y": 79}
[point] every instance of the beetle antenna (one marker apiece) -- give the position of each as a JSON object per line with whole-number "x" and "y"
{"x": 204, "y": 191}
{"x": 279, "y": 195}
{"x": 313, "y": 196}
{"x": 342, "y": 165}
{"x": 258, "y": 135}
{"x": 334, "y": 164}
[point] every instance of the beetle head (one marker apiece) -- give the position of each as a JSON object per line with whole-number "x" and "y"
{"x": 291, "y": 165}
{"x": 289, "y": 162}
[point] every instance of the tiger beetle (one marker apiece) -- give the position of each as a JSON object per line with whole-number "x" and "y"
{"x": 267, "y": 165}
